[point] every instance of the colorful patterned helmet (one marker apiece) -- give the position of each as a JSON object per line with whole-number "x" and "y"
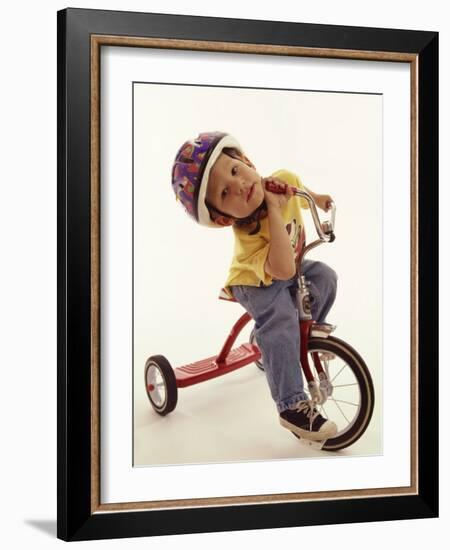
{"x": 191, "y": 168}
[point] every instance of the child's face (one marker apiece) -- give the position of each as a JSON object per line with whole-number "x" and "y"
{"x": 234, "y": 187}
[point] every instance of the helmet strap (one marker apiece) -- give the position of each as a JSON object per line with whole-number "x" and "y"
{"x": 255, "y": 216}
{"x": 252, "y": 218}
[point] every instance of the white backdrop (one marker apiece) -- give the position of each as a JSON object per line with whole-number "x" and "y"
{"x": 28, "y": 404}
{"x": 332, "y": 140}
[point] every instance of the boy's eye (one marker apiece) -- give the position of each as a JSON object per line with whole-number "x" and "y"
{"x": 224, "y": 192}
{"x": 234, "y": 170}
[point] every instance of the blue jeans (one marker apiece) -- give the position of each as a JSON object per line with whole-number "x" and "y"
{"x": 277, "y": 327}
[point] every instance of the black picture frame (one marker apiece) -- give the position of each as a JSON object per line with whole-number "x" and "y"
{"x": 79, "y": 516}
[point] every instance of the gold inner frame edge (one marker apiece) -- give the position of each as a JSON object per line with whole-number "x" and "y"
{"x": 210, "y": 46}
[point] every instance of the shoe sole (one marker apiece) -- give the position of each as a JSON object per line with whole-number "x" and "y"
{"x": 329, "y": 431}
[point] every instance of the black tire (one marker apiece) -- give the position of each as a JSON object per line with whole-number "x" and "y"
{"x": 161, "y": 384}
{"x": 253, "y": 341}
{"x": 349, "y": 430}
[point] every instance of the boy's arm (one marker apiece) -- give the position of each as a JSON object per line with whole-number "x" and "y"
{"x": 280, "y": 262}
{"x": 322, "y": 201}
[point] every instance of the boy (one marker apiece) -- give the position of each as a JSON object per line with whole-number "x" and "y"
{"x": 219, "y": 186}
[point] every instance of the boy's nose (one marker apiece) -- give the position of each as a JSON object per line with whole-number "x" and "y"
{"x": 238, "y": 188}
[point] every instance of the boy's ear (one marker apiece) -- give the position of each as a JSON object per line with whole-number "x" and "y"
{"x": 223, "y": 221}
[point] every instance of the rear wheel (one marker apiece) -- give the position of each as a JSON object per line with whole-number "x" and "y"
{"x": 161, "y": 384}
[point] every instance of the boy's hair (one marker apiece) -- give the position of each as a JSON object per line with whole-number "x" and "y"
{"x": 254, "y": 217}
{"x": 233, "y": 153}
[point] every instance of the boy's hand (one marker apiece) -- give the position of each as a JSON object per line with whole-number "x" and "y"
{"x": 322, "y": 201}
{"x": 276, "y": 200}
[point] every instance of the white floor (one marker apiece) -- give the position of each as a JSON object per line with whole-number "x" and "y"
{"x": 231, "y": 418}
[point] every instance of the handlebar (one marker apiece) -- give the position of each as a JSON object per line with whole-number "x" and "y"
{"x": 325, "y": 230}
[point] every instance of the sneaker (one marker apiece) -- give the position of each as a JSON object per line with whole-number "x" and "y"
{"x": 306, "y": 421}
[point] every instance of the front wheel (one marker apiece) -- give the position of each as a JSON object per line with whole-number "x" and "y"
{"x": 351, "y": 396}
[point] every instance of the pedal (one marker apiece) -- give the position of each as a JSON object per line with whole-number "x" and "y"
{"x": 322, "y": 329}
{"x": 314, "y": 391}
{"x": 317, "y": 445}
{"x": 326, "y": 356}
{"x": 325, "y": 387}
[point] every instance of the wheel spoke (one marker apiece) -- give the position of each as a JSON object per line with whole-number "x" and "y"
{"x": 338, "y": 373}
{"x": 342, "y": 412}
{"x": 346, "y": 402}
{"x": 323, "y": 412}
{"x": 345, "y": 385}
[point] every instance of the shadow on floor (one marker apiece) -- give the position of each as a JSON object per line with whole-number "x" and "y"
{"x": 47, "y": 526}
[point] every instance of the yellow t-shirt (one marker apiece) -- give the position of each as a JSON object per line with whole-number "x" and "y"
{"x": 250, "y": 251}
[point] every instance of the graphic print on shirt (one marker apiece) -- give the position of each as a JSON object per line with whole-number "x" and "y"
{"x": 294, "y": 229}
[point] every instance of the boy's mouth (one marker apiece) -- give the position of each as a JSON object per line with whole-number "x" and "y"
{"x": 250, "y": 193}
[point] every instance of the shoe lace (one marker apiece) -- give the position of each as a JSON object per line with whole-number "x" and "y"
{"x": 309, "y": 407}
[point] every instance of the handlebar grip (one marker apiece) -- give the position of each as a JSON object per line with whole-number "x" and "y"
{"x": 278, "y": 188}
{"x": 323, "y": 230}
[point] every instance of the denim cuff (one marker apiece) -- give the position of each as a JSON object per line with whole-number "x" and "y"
{"x": 291, "y": 402}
